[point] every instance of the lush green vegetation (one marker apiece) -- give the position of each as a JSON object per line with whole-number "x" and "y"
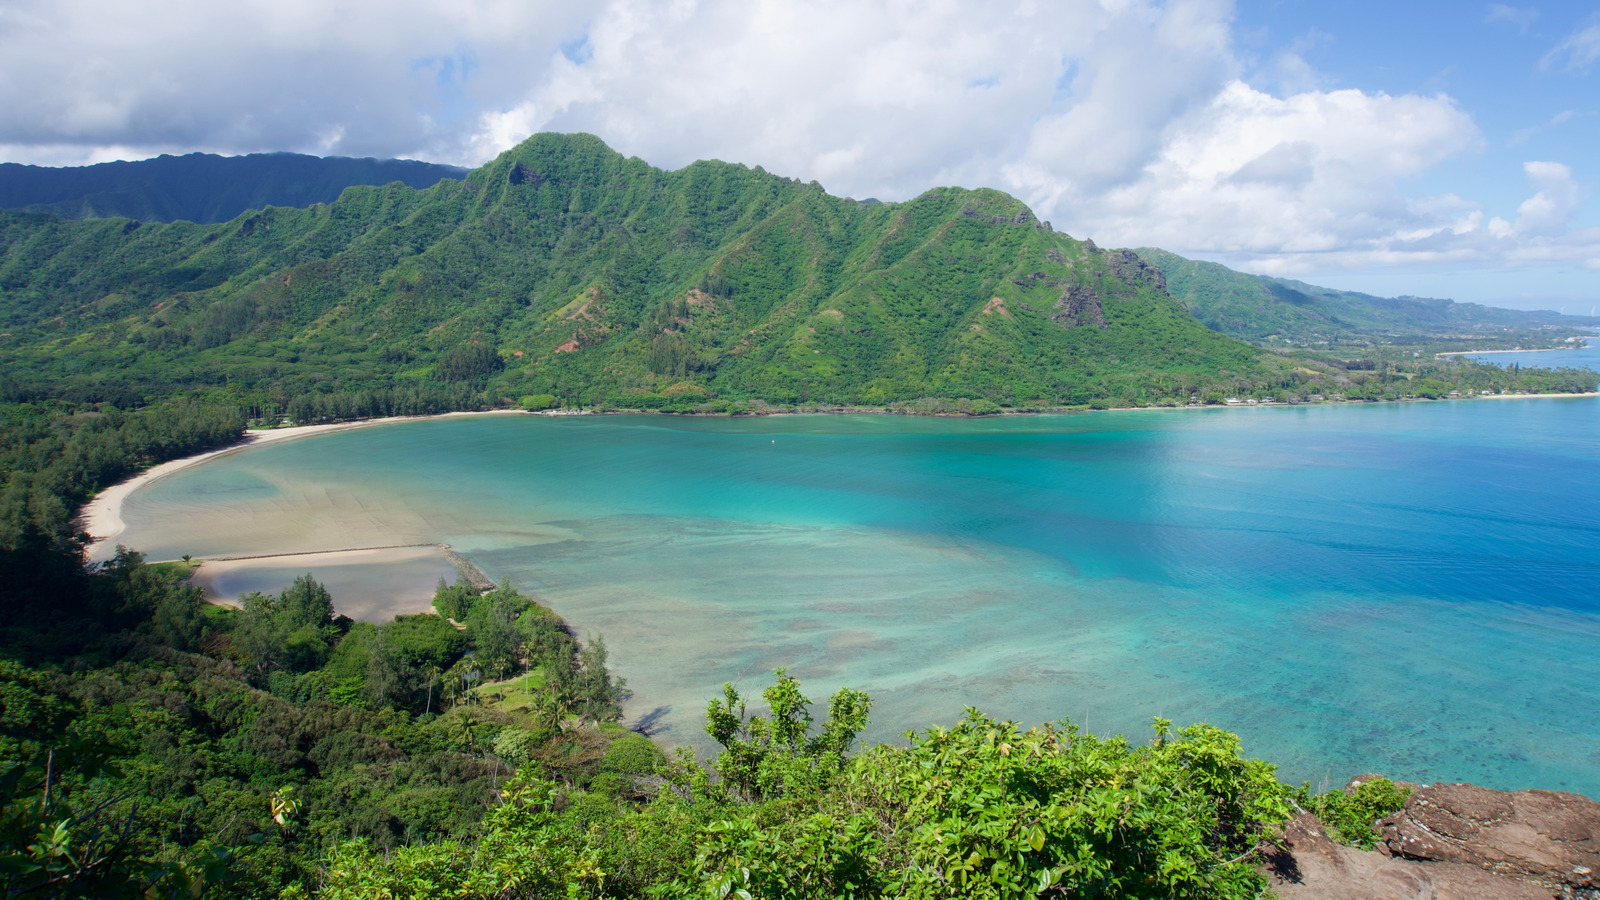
{"x": 1280, "y": 312}
{"x": 566, "y": 270}
{"x": 194, "y": 744}
{"x": 137, "y": 768}
{"x": 53, "y": 456}
{"x": 982, "y": 809}
{"x": 566, "y": 274}
{"x": 1418, "y": 377}
{"x": 1351, "y": 813}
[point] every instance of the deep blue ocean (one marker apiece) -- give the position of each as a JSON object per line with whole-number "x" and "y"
{"x": 1412, "y": 589}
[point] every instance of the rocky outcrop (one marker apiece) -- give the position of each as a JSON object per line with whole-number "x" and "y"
{"x": 1309, "y": 864}
{"x": 1080, "y": 305}
{"x": 1036, "y": 279}
{"x": 1135, "y": 271}
{"x": 1024, "y": 217}
{"x": 1451, "y": 842}
{"x": 521, "y": 174}
{"x": 1551, "y": 836}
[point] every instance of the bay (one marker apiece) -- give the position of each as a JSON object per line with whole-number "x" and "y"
{"x": 1405, "y": 588}
{"x": 1585, "y": 357}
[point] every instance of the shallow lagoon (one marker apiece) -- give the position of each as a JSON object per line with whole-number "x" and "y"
{"x": 1407, "y": 588}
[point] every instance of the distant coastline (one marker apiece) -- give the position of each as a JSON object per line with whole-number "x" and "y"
{"x": 1521, "y": 396}
{"x": 1582, "y": 346}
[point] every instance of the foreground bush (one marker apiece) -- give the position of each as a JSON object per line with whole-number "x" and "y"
{"x": 982, "y": 809}
{"x": 1351, "y": 813}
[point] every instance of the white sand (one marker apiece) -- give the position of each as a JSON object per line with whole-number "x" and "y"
{"x": 372, "y": 585}
{"x": 1525, "y": 396}
{"x": 101, "y": 517}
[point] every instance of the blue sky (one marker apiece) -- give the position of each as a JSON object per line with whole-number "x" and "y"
{"x": 1441, "y": 149}
{"x": 1503, "y": 64}
{"x": 1491, "y": 65}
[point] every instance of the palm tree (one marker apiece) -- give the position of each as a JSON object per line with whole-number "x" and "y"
{"x": 547, "y": 711}
{"x": 464, "y": 728}
{"x": 431, "y": 678}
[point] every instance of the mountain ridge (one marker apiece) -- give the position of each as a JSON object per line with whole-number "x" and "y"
{"x": 1271, "y": 311}
{"x": 586, "y": 266}
{"x": 565, "y": 272}
{"x": 201, "y": 187}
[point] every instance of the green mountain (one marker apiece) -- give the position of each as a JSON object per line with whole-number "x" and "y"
{"x": 201, "y": 187}
{"x": 564, "y": 269}
{"x": 1281, "y": 311}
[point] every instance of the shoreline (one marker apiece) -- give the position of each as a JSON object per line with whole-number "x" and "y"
{"x": 101, "y": 517}
{"x": 1583, "y": 346}
{"x": 1060, "y": 410}
{"x": 403, "y": 574}
{"x": 1522, "y": 396}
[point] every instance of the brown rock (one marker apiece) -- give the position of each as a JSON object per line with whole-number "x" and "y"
{"x": 1551, "y": 836}
{"x": 1311, "y": 866}
{"x": 1079, "y": 306}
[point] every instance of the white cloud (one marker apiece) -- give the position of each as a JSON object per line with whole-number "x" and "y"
{"x": 1578, "y": 50}
{"x": 1539, "y": 235}
{"x": 1514, "y": 15}
{"x": 1548, "y": 211}
{"x": 1523, "y": 135}
{"x": 1061, "y": 105}
{"x": 869, "y": 96}
{"x": 352, "y": 78}
{"x": 1311, "y": 173}
{"x": 1129, "y": 121}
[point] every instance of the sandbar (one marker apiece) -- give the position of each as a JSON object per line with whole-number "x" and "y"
{"x": 101, "y": 517}
{"x": 372, "y": 585}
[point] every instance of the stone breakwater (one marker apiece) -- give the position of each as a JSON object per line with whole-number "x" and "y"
{"x": 469, "y": 571}
{"x": 1452, "y": 841}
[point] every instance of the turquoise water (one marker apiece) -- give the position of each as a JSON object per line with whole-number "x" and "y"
{"x": 1586, "y": 357}
{"x": 1404, "y": 588}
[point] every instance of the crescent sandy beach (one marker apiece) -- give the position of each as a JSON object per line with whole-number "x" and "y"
{"x": 369, "y": 584}
{"x": 101, "y": 517}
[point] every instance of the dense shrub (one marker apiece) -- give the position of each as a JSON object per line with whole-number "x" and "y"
{"x": 1350, "y": 814}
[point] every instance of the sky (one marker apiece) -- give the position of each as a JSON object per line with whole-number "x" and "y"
{"x": 1440, "y": 149}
